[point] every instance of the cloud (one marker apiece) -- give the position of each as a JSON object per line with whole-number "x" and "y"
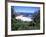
{"x": 23, "y": 18}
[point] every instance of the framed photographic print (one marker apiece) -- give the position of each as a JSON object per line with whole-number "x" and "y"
{"x": 25, "y": 18}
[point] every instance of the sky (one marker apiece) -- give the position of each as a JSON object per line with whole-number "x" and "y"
{"x": 25, "y": 9}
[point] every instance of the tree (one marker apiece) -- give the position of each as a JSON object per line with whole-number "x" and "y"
{"x": 36, "y": 18}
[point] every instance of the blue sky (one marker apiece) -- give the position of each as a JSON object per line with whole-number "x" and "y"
{"x": 25, "y": 9}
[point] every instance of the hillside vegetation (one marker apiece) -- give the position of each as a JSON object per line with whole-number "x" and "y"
{"x": 24, "y": 25}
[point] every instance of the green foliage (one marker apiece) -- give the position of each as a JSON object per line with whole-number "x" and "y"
{"x": 20, "y": 25}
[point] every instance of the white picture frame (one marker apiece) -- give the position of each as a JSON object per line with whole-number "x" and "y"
{"x": 25, "y": 32}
